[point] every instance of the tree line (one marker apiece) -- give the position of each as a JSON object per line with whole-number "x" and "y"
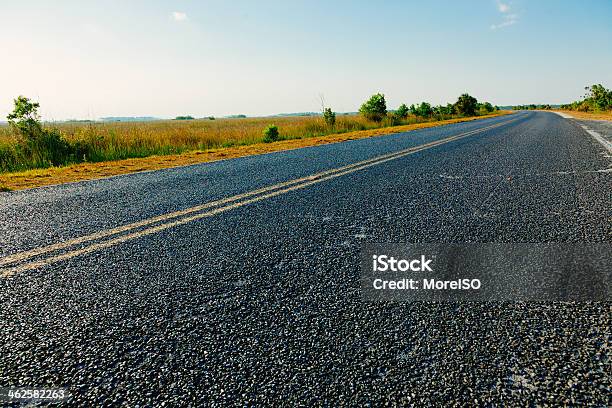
{"x": 375, "y": 108}
{"x": 596, "y": 99}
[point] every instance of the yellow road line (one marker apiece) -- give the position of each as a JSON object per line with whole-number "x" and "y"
{"x": 223, "y": 205}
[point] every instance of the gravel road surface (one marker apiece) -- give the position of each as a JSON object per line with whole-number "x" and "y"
{"x": 260, "y": 304}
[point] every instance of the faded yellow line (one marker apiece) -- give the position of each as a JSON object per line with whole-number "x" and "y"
{"x": 21, "y": 256}
{"x": 292, "y": 185}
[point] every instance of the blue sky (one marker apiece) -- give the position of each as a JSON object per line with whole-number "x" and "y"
{"x": 162, "y": 58}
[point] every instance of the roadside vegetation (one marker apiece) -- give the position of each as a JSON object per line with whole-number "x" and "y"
{"x": 27, "y": 143}
{"x": 597, "y": 99}
{"x": 532, "y": 106}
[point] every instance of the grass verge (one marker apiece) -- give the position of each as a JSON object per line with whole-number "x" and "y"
{"x": 89, "y": 171}
{"x": 588, "y": 115}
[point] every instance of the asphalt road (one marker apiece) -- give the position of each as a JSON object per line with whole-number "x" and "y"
{"x": 256, "y": 301}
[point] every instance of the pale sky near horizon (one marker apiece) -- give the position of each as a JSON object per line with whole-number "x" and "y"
{"x": 88, "y": 60}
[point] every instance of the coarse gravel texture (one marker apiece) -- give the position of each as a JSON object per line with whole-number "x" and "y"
{"x": 261, "y": 305}
{"x": 603, "y": 127}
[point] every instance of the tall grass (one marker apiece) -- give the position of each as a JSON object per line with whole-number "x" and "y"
{"x": 120, "y": 140}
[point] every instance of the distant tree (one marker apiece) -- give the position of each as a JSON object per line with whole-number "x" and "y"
{"x": 402, "y": 111}
{"x": 466, "y": 105}
{"x": 424, "y": 110}
{"x": 329, "y": 117}
{"x": 25, "y": 117}
{"x": 374, "y": 108}
{"x": 185, "y": 117}
{"x": 211, "y": 118}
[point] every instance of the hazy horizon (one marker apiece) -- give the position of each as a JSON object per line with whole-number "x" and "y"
{"x": 165, "y": 59}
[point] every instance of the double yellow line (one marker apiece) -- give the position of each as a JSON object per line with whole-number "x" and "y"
{"x": 22, "y": 261}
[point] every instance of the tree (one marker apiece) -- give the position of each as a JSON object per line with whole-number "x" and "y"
{"x": 25, "y": 117}
{"x": 488, "y": 107}
{"x": 599, "y": 96}
{"x": 44, "y": 146}
{"x": 466, "y": 105}
{"x": 402, "y": 111}
{"x": 374, "y": 108}
{"x": 329, "y": 117}
{"x": 413, "y": 109}
{"x": 424, "y": 109}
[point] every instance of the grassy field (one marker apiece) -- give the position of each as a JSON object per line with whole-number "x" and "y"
{"x": 85, "y": 171}
{"x": 122, "y": 140}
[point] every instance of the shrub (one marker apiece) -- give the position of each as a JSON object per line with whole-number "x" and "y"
{"x": 599, "y": 97}
{"x": 329, "y": 117}
{"x": 424, "y": 110}
{"x": 402, "y": 111}
{"x": 466, "y": 105}
{"x": 43, "y": 146}
{"x": 24, "y": 117}
{"x": 374, "y": 108}
{"x": 270, "y": 134}
{"x": 488, "y": 107}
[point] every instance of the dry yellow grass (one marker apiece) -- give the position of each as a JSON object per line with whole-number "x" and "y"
{"x": 88, "y": 171}
{"x": 588, "y": 115}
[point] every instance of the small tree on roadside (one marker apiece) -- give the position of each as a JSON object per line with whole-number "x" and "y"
{"x": 25, "y": 118}
{"x": 488, "y": 107}
{"x": 374, "y": 108}
{"x": 599, "y": 96}
{"x": 44, "y": 146}
{"x": 466, "y": 105}
{"x": 329, "y": 117}
{"x": 402, "y": 111}
{"x": 424, "y": 109}
{"x": 270, "y": 134}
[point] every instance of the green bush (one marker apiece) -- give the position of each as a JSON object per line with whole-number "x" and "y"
{"x": 466, "y": 105}
{"x": 36, "y": 146}
{"x": 329, "y": 117}
{"x": 402, "y": 111}
{"x": 270, "y": 134}
{"x": 599, "y": 96}
{"x": 374, "y": 108}
{"x": 424, "y": 110}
